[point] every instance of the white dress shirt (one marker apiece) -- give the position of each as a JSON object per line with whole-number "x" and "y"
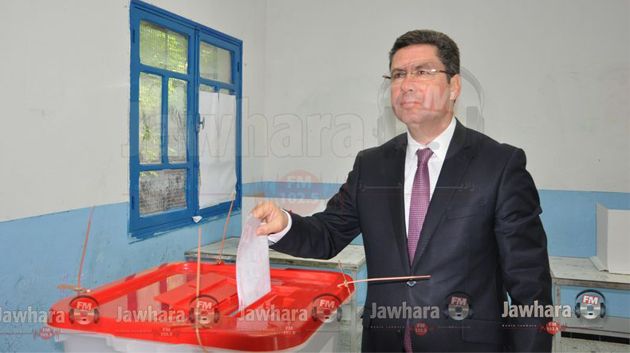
{"x": 439, "y": 146}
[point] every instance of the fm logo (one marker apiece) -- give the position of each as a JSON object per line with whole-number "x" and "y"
{"x": 590, "y": 305}
{"x": 203, "y": 311}
{"x": 326, "y": 308}
{"x": 458, "y": 306}
{"x": 84, "y": 310}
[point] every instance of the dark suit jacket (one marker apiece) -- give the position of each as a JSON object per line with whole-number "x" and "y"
{"x": 482, "y": 236}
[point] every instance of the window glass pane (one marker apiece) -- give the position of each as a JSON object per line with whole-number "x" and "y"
{"x": 163, "y": 48}
{"x": 162, "y": 190}
{"x": 150, "y": 99}
{"x": 215, "y": 63}
{"x": 225, "y": 91}
{"x": 177, "y": 118}
{"x": 224, "y": 64}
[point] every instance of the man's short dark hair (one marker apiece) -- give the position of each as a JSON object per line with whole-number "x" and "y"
{"x": 447, "y": 49}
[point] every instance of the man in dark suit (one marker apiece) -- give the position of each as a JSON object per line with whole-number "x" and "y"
{"x": 441, "y": 200}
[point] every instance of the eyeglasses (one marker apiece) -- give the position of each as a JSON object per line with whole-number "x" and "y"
{"x": 417, "y": 74}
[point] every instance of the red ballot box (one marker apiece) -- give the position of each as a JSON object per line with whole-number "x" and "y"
{"x": 158, "y": 310}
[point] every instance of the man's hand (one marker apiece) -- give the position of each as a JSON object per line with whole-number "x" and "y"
{"x": 272, "y": 217}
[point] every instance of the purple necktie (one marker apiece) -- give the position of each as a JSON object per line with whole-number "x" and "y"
{"x": 419, "y": 201}
{"x": 417, "y": 211}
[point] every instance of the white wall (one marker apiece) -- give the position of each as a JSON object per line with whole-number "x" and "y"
{"x": 556, "y": 75}
{"x": 65, "y": 103}
{"x": 65, "y": 96}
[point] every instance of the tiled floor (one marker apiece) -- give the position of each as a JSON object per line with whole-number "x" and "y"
{"x": 576, "y": 345}
{"x": 565, "y": 345}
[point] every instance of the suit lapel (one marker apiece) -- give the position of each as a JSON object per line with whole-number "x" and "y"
{"x": 396, "y": 197}
{"x": 455, "y": 165}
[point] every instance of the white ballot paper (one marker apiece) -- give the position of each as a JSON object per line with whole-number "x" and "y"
{"x": 252, "y": 265}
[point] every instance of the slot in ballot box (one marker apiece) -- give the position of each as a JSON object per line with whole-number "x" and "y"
{"x": 159, "y": 311}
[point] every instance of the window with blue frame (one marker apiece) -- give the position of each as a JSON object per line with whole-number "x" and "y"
{"x": 185, "y": 122}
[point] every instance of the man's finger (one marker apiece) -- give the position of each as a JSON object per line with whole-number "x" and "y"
{"x": 263, "y": 229}
{"x": 262, "y": 210}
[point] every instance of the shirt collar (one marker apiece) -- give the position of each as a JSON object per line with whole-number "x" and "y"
{"x": 439, "y": 145}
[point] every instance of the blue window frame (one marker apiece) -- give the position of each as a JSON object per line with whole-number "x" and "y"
{"x": 164, "y": 162}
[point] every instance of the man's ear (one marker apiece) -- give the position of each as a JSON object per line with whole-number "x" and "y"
{"x": 456, "y": 87}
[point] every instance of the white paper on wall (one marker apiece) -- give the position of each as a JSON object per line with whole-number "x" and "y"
{"x": 217, "y": 148}
{"x": 252, "y": 265}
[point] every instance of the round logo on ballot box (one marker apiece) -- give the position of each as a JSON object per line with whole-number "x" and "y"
{"x": 84, "y": 310}
{"x": 203, "y": 311}
{"x": 326, "y": 308}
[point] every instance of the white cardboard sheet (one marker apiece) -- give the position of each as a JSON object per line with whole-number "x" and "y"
{"x": 217, "y": 148}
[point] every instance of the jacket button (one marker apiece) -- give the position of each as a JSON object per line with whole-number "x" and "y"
{"x": 411, "y": 283}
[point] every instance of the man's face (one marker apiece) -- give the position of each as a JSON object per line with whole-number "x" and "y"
{"x": 419, "y": 97}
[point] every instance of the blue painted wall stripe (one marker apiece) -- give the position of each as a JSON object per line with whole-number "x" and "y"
{"x": 290, "y": 190}
{"x": 569, "y": 217}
